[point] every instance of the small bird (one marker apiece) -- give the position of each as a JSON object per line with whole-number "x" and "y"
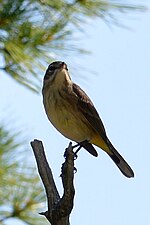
{"x": 73, "y": 114}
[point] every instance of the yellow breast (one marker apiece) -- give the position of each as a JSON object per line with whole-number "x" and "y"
{"x": 66, "y": 118}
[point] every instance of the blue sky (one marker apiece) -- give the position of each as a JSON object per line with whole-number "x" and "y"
{"x": 120, "y": 90}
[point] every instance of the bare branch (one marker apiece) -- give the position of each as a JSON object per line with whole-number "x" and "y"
{"x": 59, "y": 209}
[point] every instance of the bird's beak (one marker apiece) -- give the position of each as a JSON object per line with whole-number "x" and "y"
{"x": 63, "y": 66}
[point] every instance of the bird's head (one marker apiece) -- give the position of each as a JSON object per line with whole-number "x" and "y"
{"x": 57, "y": 72}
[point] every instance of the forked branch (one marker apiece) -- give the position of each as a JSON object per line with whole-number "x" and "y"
{"x": 59, "y": 209}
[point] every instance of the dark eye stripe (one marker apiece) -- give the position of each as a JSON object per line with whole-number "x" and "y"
{"x": 51, "y": 68}
{"x": 49, "y": 72}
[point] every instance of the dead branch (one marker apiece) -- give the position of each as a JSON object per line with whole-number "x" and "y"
{"x": 59, "y": 209}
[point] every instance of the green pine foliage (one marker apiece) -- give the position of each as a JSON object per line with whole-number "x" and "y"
{"x": 33, "y": 31}
{"x": 21, "y": 191}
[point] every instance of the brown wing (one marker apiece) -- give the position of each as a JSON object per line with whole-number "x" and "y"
{"x": 86, "y": 106}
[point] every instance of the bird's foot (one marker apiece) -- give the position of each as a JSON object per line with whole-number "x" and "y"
{"x": 79, "y": 145}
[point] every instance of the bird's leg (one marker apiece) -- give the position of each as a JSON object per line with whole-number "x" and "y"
{"x": 79, "y": 145}
{"x": 75, "y": 153}
{"x": 78, "y": 149}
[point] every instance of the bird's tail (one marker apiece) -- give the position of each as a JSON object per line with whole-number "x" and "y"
{"x": 120, "y": 162}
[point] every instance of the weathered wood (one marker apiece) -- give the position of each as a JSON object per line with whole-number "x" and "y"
{"x": 59, "y": 209}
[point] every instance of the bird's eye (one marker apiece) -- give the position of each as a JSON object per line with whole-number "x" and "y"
{"x": 49, "y": 72}
{"x": 51, "y": 68}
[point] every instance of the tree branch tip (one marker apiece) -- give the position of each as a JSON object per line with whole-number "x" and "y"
{"x": 70, "y": 144}
{"x": 36, "y": 142}
{"x": 69, "y": 151}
